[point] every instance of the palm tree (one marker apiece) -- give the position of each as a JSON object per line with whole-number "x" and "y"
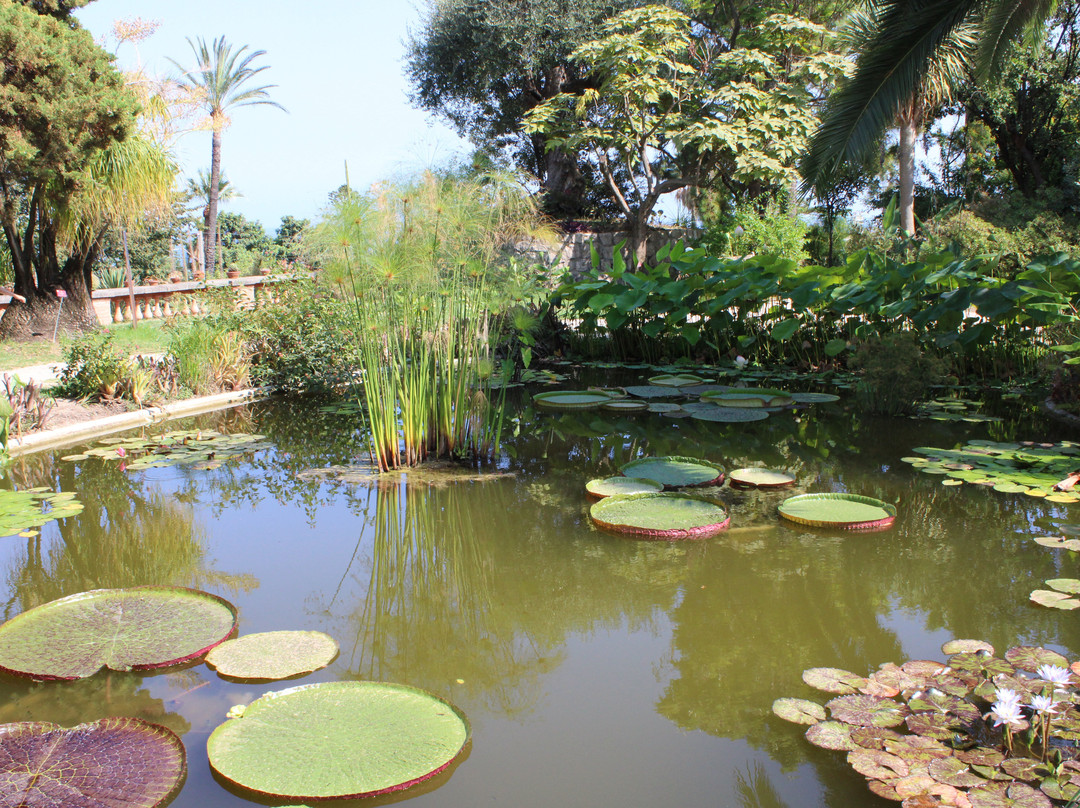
{"x": 895, "y": 63}
{"x": 198, "y": 189}
{"x": 950, "y": 65}
{"x": 218, "y": 85}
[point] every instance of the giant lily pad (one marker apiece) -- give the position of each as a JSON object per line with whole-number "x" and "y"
{"x": 846, "y": 511}
{"x": 571, "y": 399}
{"x": 650, "y": 391}
{"x": 814, "y": 398}
{"x": 614, "y": 486}
{"x": 761, "y": 478}
{"x": 120, "y": 629}
{"x": 676, "y": 380}
{"x": 675, "y": 471}
{"x": 750, "y": 397}
{"x": 702, "y": 411}
{"x": 338, "y": 740}
{"x": 660, "y": 516}
{"x": 112, "y": 763}
{"x": 21, "y": 511}
{"x": 273, "y": 654}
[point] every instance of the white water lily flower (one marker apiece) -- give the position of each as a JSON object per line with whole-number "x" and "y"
{"x": 1054, "y": 674}
{"x": 1043, "y": 704}
{"x": 1005, "y": 695}
{"x": 1006, "y": 712}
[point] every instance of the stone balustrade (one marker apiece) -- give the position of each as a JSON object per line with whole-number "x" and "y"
{"x": 164, "y": 300}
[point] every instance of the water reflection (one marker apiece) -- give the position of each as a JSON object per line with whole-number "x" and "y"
{"x": 128, "y": 534}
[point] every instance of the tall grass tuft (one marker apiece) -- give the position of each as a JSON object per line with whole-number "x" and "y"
{"x": 421, "y": 263}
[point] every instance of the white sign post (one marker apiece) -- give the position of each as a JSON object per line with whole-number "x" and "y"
{"x": 60, "y": 293}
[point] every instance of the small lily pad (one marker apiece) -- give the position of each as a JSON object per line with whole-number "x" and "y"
{"x": 31, "y": 508}
{"x": 121, "y": 629}
{"x": 112, "y": 762}
{"x": 1070, "y": 586}
{"x": 868, "y": 711}
{"x": 616, "y": 486}
{"x": 1030, "y": 658}
{"x": 660, "y": 516}
{"x": 966, "y": 647}
{"x": 832, "y": 735}
{"x": 338, "y": 740}
{"x": 1059, "y": 542}
{"x": 798, "y": 711}
{"x": 833, "y": 680}
{"x": 1008, "y": 795}
{"x": 273, "y": 654}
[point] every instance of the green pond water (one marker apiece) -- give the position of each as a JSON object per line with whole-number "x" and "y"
{"x": 595, "y": 669}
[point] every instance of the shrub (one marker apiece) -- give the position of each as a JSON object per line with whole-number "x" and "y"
{"x": 94, "y": 368}
{"x": 896, "y": 374}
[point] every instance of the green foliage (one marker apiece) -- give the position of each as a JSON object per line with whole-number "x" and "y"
{"x": 519, "y": 55}
{"x": 896, "y": 373}
{"x": 966, "y": 232}
{"x": 675, "y": 110}
{"x": 771, "y": 231}
{"x": 289, "y": 237}
{"x": 305, "y": 343}
{"x": 93, "y": 368}
{"x": 64, "y": 103}
{"x": 211, "y": 353}
{"x": 770, "y": 310}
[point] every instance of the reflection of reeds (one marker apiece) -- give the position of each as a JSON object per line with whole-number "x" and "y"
{"x": 429, "y": 578}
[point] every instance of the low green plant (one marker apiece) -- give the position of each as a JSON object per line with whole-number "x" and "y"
{"x": 896, "y": 374}
{"x": 210, "y": 356}
{"x": 93, "y": 368}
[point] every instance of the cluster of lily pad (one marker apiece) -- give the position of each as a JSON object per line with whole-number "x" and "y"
{"x": 953, "y": 409}
{"x": 373, "y": 738}
{"x": 695, "y": 397}
{"x": 1063, "y": 592}
{"x": 200, "y": 449}
{"x": 21, "y": 512}
{"x": 1023, "y": 467}
{"x": 975, "y": 731}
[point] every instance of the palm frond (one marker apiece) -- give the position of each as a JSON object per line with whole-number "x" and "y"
{"x": 1003, "y": 25}
{"x": 888, "y": 73}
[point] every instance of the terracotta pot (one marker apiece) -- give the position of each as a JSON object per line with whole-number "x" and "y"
{"x": 232, "y": 273}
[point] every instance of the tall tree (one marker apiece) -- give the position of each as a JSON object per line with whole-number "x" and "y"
{"x": 949, "y": 66}
{"x": 483, "y": 64}
{"x": 62, "y": 105}
{"x": 219, "y": 84}
{"x": 896, "y": 60}
{"x": 673, "y": 108}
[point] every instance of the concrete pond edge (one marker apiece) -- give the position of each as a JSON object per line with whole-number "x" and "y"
{"x": 100, "y": 427}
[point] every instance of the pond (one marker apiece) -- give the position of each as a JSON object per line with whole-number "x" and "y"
{"x": 595, "y": 669}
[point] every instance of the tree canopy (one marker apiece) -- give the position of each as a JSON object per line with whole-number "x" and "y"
{"x": 518, "y": 56}
{"x": 63, "y": 103}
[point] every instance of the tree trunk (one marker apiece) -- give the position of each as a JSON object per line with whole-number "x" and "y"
{"x": 210, "y": 245}
{"x": 907, "y": 174}
{"x": 561, "y": 184}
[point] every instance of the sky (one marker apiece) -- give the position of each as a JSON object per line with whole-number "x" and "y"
{"x": 338, "y": 67}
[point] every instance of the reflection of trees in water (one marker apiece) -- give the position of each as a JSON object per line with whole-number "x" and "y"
{"x": 482, "y": 583}
{"x": 105, "y": 695}
{"x": 125, "y": 536}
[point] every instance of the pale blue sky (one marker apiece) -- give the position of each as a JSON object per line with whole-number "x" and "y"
{"x": 338, "y": 67}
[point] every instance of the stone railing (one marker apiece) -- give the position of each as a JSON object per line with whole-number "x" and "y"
{"x": 164, "y": 300}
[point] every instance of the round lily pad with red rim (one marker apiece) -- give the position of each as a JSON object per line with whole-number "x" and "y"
{"x": 113, "y": 762}
{"x": 675, "y": 471}
{"x": 843, "y": 511}
{"x": 761, "y": 478}
{"x": 142, "y": 628}
{"x": 660, "y": 516}
{"x": 338, "y": 740}
{"x": 572, "y": 399}
{"x": 755, "y": 397}
{"x": 616, "y": 486}
{"x": 273, "y": 654}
